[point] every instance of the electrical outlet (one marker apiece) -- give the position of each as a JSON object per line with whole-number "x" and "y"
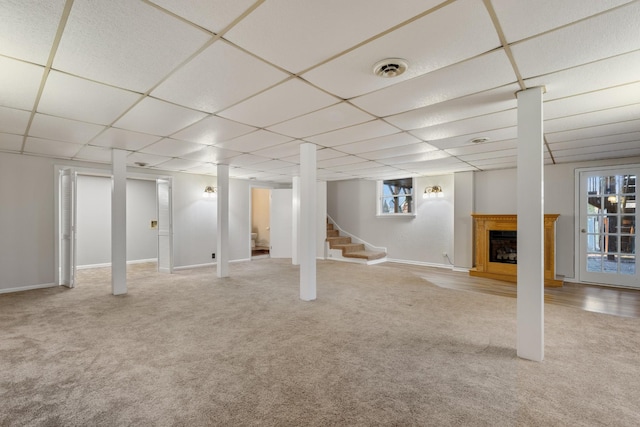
{"x": 213, "y": 256}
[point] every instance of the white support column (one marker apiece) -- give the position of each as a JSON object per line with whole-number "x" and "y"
{"x": 307, "y": 247}
{"x": 119, "y": 222}
{"x": 223, "y": 221}
{"x": 530, "y": 305}
{"x": 295, "y": 215}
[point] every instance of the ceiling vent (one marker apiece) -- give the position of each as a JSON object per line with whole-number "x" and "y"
{"x": 389, "y": 68}
{"x": 479, "y": 140}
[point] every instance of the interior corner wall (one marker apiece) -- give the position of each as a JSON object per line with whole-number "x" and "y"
{"x": 321, "y": 218}
{"x": 421, "y": 239}
{"x": 463, "y": 207}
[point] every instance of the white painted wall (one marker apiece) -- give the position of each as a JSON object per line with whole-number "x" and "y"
{"x": 94, "y": 220}
{"x": 27, "y": 216}
{"x": 421, "y": 239}
{"x": 463, "y": 207}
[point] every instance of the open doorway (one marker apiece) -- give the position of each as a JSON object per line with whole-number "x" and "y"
{"x": 83, "y": 223}
{"x": 260, "y": 222}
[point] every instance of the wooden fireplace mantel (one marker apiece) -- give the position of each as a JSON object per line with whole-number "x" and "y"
{"x": 508, "y": 272}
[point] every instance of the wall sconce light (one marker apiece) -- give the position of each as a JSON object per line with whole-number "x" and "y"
{"x": 432, "y": 192}
{"x": 209, "y": 191}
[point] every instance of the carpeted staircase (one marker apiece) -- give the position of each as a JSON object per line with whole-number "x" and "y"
{"x": 349, "y": 249}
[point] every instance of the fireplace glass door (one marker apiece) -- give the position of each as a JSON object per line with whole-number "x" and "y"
{"x": 608, "y": 234}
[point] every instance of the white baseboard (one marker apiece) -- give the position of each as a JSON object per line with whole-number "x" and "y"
{"x": 28, "y": 288}
{"x": 421, "y": 263}
{"x": 209, "y": 264}
{"x": 460, "y": 269}
{"x": 108, "y": 264}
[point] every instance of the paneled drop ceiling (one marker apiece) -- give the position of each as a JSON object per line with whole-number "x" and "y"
{"x": 183, "y": 85}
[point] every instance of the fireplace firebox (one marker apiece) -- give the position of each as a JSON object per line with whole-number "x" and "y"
{"x": 503, "y": 246}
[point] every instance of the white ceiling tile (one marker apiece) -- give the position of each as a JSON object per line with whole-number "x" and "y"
{"x": 124, "y": 139}
{"x": 618, "y": 70}
{"x": 243, "y": 173}
{"x": 597, "y": 149}
{"x": 482, "y": 124}
{"x": 412, "y": 158}
{"x": 246, "y": 160}
{"x": 325, "y": 120}
{"x": 465, "y": 78}
{"x": 290, "y": 99}
{"x": 149, "y": 159}
{"x": 496, "y": 160}
{"x": 374, "y": 171}
{"x": 101, "y": 39}
{"x": 600, "y": 140}
{"x": 214, "y": 15}
{"x": 403, "y": 150}
{"x": 210, "y": 154}
{"x": 368, "y": 130}
{"x": 47, "y": 147}
{"x": 217, "y": 78}
{"x": 179, "y": 165}
{"x": 595, "y": 118}
{"x": 212, "y": 130}
{"x": 171, "y": 148}
{"x": 389, "y": 141}
{"x": 523, "y": 18}
{"x": 297, "y": 35}
{"x": 598, "y": 100}
{"x": 420, "y": 43}
{"x": 29, "y": 28}
{"x": 321, "y": 154}
{"x": 84, "y": 100}
{"x": 205, "y": 169}
{"x": 471, "y": 158}
{"x": 491, "y": 101}
{"x": 254, "y": 141}
{"x": 19, "y": 83}
{"x": 465, "y": 140}
{"x": 13, "y": 121}
{"x": 339, "y": 161}
{"x": 58, "y": 129}
{"x": 430, "y": 167}
{"x": 9, "y": 142}
{"x": 327, "y": 175}
{"x": 608, "y": 154}
{"x": 94, "y": 154}
{"x": 271, "y": 165}
{"x": 158, "y": 118}
{"x": 484, "y": 147}
{"x": 595, "y": 131}
{"x": 281, "y": 150}
{"x": 612, "y": 33}
{"x": 355, "y": 168}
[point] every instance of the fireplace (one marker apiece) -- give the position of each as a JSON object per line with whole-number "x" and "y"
{"x": 503, "y": 246}
{"x": 496, "y": 248}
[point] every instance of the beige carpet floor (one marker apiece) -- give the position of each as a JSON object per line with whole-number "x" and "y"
{"x": 380, "y": 346}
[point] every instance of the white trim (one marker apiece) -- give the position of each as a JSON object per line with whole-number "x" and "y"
{"x": 460, "y": 269}
{"x": 108, "y": 264}
{"x": 209, "y": 264}
{"x": 420, "y": 263}
{"x": 28, "y": 288}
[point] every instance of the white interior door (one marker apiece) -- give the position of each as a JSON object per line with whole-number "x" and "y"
{"x": 67, "y": 227}
{"x": 165, "y": 225}
{"x": 608, "y": 221}
{"x": 281, "y": 223}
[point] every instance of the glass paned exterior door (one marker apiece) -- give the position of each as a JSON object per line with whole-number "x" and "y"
{"x": 608, "y": 218}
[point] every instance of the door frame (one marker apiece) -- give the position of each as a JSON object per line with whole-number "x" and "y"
{"x": 578, "y": 217}
{"x": 57, "y": 168}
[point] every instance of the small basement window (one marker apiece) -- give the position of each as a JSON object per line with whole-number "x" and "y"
{"x": 396, "y": 197}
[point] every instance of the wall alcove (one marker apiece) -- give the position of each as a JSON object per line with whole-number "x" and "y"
{"x": 496, "y": 250}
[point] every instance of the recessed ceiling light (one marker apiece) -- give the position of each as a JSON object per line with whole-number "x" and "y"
{"x": 391, "y": 67}
{"x": 479, "y": 140}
